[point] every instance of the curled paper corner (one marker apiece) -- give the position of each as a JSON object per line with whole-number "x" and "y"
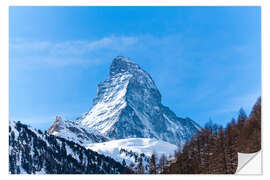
{"x": 249, "y": 163}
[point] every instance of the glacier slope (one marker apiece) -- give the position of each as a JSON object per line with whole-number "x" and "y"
{"x": 120, "y": 149}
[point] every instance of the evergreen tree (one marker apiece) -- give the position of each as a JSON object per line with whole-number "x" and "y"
{"x": 152, "y": 164}
{"x": 140, "y": 168}
{"x": 124, "y": 163}
{"x": 242, "y": 118}
{"x": 162, "y": 162}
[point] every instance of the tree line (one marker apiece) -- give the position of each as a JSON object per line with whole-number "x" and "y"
{"x": 154, "y": 165}
{"x": 213, "y": 150}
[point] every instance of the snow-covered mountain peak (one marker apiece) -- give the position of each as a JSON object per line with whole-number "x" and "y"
{"x": 122, "y": 64}
{"x": 128, "y": 104}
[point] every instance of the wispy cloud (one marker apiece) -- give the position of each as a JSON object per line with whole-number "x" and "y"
{"x": 84, "y": 52}
{"x": 68, "y": 52}
{"x": 81, "y": 47}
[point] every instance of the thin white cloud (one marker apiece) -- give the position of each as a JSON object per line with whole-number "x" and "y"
{"x": 25, "y": 46}
{"x": 74, "y": 46}
{"x": 69, "y": 52}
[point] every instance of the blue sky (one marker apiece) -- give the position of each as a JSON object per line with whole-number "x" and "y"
{"x": 206, "y": 61}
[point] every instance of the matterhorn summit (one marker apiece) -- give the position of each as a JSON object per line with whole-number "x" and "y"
{"x": 128, "y": 105}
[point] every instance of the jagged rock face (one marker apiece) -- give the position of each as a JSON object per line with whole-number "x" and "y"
{"x": 128, "y": 104}
{"x": 57, "y": 125}
{"x": 75, "y": 132}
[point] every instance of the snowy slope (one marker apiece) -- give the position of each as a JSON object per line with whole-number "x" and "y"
{"x": 128, "y": 149}
{"x": 75, "y": 132}
{"x": 111, "y": 98}
{"x": 128, "y": 104}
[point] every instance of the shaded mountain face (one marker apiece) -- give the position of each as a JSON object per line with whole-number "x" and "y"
{"x": 35, "y": 152}
{"x": 128, "y": 104}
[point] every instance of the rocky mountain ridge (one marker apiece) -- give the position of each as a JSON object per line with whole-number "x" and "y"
{"x": 128, "y": 104}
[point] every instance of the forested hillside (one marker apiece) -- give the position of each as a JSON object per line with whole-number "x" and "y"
{"x": 213, "y": 150}
{"x": 35, "y": 152}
